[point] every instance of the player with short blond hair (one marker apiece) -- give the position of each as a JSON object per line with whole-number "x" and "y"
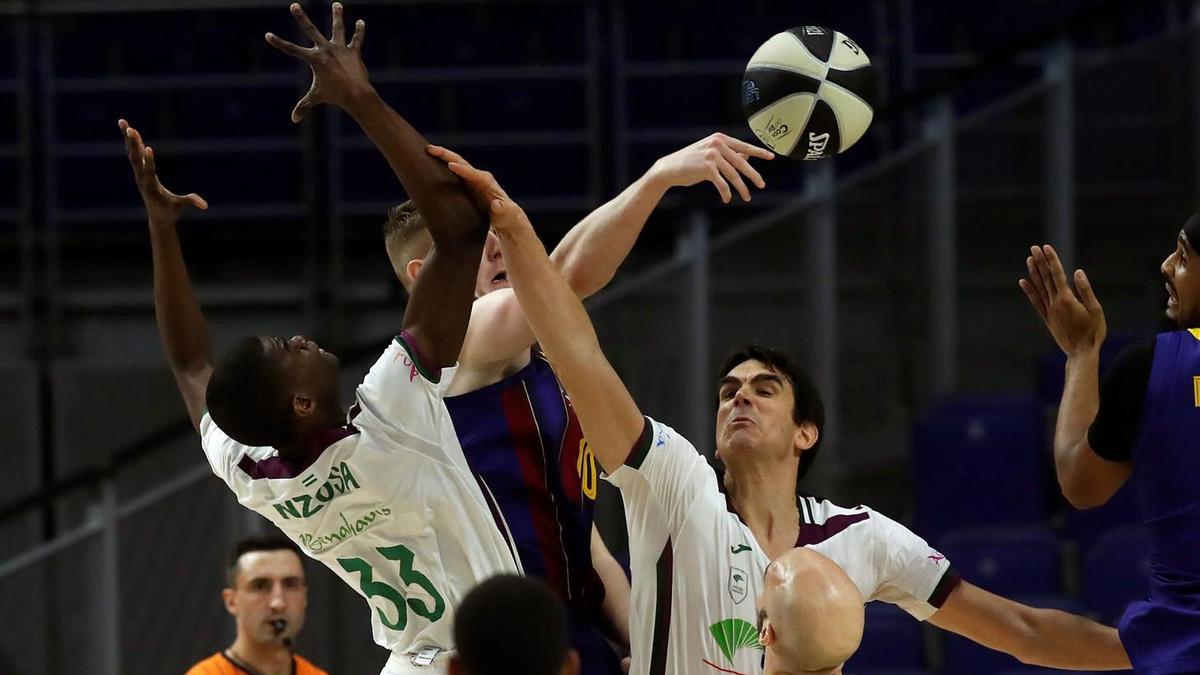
{"x": 518, "y": 429}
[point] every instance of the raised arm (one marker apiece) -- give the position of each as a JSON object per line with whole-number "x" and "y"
{"x": 1041, "y": 637}
{"x": 181, "y": 325}
{"x": 592, "y": 251}
{"x": 1078, "y": 326}
{"x": 436, "y": 313}
{"x": 610, "y": 419}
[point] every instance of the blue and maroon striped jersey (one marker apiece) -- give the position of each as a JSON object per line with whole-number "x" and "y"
{"x": 523, "y": 440}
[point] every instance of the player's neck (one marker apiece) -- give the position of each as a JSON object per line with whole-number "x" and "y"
{"x": 766, "y": 500}
{"x": 266, "y": 658}
{"x": 334, "y": 418}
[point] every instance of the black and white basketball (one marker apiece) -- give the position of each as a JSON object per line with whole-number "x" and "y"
{"x": 807, "y": 92}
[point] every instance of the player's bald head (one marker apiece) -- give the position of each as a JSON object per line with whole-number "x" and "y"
{"x": 811, "y": 614}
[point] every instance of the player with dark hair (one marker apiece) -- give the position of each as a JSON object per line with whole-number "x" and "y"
{"x": 267, "y": 595}
{"x": 769, "y": 416}
{"x": 1142, "y": 424}
{"x": 807, "y": 405}
{"x": 381, "y": 492}
{"x": 510, "y": 625}
{"x": 517, "y": 428}
{"x": 699, "y": 552}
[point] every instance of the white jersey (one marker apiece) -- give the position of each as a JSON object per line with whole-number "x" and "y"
{"x": 882, "y": 557}
{"x": 697, "y": 568}
{"x": 387, "y": 502}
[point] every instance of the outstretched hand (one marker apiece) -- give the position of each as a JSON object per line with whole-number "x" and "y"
{"x": 1076, "y": 323}
{"x": 506, "y": 215}
{"x": 719, "y": 159}
{"x": 163, "y": 206}
{"x": 339, "y": 75}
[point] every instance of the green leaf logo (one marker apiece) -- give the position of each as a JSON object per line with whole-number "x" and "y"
{"x": 733, "y": 635}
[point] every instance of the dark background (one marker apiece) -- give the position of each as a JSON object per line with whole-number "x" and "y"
{"x": 1072, "y": 122}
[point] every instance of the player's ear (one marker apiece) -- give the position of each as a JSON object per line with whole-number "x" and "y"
{"x": 571, "y": 665}
{"x": 413, "y": 268}
{"x": 806, "y": 436}
{"x": 766, "y": 634}
{"x": 303, "y": 406}
{"x": 229, "y": 597}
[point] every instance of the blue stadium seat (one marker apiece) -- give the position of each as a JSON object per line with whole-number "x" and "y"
{"x": 891, "y": 641}
{"x": 1116, "y": 571}
{"x": 964, "y": 657}
{"x": 1006, "y": 561}
{"x": 980, "y": 461}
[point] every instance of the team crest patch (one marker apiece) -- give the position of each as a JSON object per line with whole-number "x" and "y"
{"x": 738, "y": 586}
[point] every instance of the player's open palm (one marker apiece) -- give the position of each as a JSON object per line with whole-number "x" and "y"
{"x": 163, "y": 206}
{"x": 719, "y": 159}
{"x": 339, "y": 74}
{"x": 1076, "y": 321}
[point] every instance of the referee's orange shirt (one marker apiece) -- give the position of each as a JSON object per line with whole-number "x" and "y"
{"x": 219, "y": 664}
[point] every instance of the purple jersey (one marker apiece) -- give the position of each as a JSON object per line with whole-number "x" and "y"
{"x": 522, "y": 439}
{"x": 1162, "y": 635}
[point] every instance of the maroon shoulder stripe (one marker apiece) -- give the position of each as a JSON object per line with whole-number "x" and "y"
{"x": 815, "y": 534}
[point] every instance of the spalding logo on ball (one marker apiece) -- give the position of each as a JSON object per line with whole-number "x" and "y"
{"x": 807, "y": 92}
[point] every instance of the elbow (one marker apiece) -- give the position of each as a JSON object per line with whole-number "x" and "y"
{"x": 1080, "y": 494}
{"x": 585, "y": 283}
{"x": 1029, "y": 648}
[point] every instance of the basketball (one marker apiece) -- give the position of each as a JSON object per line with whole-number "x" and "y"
{"x": 807, "y": 92}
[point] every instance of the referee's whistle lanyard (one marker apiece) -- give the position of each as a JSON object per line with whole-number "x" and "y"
{"x": 249, "y": 669}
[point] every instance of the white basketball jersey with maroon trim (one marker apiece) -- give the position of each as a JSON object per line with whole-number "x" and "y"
{"x": 387, "y": 502}
{"x": 882, "y": 557}
{"x": 697, "y": 568}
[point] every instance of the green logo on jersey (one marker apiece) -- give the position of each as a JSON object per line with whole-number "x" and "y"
{"x": 738, "y": 549}
{"x": 319, "y": 542}
{"x": 734, "y": 635}
{"x": 340, "y": 482}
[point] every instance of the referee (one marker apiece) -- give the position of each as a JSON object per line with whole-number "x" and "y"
{"x": 267, "y": 596}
